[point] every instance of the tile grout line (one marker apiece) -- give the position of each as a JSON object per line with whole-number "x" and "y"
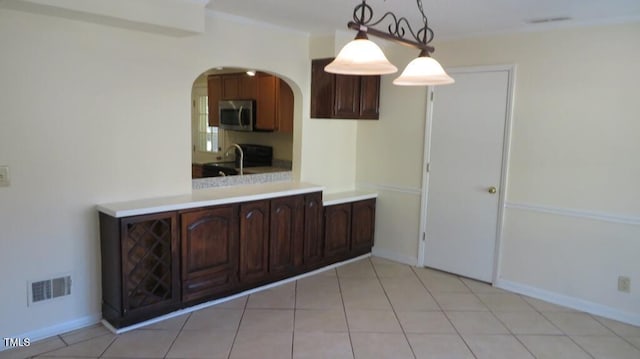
{"x": 560, "y": 329}
{"x": 445, "y": 313}
{"x": 511, "y": 332}
{"x": 614, "y": 332}
{"x": 108, "y": 346}
{"x": 295, "y": 303}
{"x": 67, "y": 344}
{"x": 176, "y": 338}
{"x": 235, "y": 337}
{"x": 344, "y": 312}
{"x": 62, "y": 339}
{"x": 502, "y": 322}
{"x": 565, "y": 333}
{"x": 393, "y": 309}
{"x": 536, "y": 311}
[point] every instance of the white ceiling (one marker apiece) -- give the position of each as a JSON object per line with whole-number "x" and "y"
{"x": 448, "y": 18}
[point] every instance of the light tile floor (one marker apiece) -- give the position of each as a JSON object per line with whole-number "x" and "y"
{"x": 372, "y": 308}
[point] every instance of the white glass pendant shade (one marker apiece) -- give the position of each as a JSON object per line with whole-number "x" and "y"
{"x": 423, "y": 71}
{"x": 361, "y": 57}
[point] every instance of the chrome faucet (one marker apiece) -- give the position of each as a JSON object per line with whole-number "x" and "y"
{"x": 234, "y": 146}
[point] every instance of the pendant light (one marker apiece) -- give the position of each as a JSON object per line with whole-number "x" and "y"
{"x": 363, "y": 57}
{"x": 423, "y": 71}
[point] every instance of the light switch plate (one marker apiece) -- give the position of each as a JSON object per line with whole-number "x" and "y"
{"x": 4, "y": 176}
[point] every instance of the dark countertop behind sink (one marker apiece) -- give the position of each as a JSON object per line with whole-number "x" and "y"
{"x": 216, "y": 169}
{"x": 254, "y": 170}
{"x": 212, "y": 169}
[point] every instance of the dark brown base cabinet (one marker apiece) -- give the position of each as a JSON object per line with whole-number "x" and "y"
{"x": 287, "y": 231}
{"x": 313, "y": 237}
{"x": 140, "y": 271}
{"x": 349, "y": 230}
{"x": 157, "y": 263}
{"x": 254, "y": 242}
{"x": 209, "y": 252}
{"x": 337, "y": 231}
{"x": 363, "y": 219}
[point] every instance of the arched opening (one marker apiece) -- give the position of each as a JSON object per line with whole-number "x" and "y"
{"x": 237, "y": 107}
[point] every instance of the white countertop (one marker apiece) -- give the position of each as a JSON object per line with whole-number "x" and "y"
{"x": 330, "y": 199}
{"x": 207, "y": 197}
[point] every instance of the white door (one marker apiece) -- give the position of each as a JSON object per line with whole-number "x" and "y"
{"x": 467, "y": 137}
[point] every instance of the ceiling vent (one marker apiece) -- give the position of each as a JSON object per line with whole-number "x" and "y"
{"x": 549, "y": 19}
{"x": 48, "y": 289}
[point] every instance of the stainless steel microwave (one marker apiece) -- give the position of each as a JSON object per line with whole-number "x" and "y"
{"x": 237, "y": 115}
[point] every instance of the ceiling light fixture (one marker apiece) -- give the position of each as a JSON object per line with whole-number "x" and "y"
{"x": 363, "y": 57}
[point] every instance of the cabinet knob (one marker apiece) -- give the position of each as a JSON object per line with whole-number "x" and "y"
{"x": 492, "y": 190}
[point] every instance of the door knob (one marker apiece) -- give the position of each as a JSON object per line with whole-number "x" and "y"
{"x": 492, "y": 190}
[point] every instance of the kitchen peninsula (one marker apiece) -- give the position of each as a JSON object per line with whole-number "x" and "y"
{"x": 168, "y": 254}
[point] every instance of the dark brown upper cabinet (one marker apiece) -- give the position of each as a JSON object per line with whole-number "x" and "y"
{"x": 343, "y": 96}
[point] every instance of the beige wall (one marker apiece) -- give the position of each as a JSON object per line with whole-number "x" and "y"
{"x": 176, "y": 17}
{"x": 92, "y": 114}
{"x": 573, "y": 211}
{"x": 390, "y": 153}
{"x": 574, "y": 152}
{"x": 329, "y": 149}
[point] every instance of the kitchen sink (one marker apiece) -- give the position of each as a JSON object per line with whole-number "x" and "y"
{"x": 218, "y": 169}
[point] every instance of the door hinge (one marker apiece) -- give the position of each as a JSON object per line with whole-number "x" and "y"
{"x": 424, "y": 236}
{"x": 432, "y": 95}
{"x": 428, "y": 166}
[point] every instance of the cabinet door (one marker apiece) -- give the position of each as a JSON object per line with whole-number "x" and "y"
{"x": 312, "y": 246}
{"x": 266, "y": 103}
{"x": 150, "y": 265}
{"x": 322, "y": 89}
{"x": 209, "y": 252}
{"x": 239, "y": 87}
{"x": 347, "y": 97}
{"x": 254, "y": 241}
{"x": 363, "y": 216}
{"x": 231, "y": 87}
{"x": 337, "y": 232}
{"x": 285, "y": 107}
{"x": 369, "y": 97}
{"x": 248, "y": 87}
{"x": 287, "y": 221}
{"x": 214, "y": 93}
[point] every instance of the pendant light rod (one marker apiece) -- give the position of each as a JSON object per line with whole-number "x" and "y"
{"x": 398, "y": 29}
{"x": 381, "y": 34}
{"x": 363, "y": 57}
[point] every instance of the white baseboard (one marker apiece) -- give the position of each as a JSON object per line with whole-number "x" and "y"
{"x": 57, "y": 329}
{"x": 570, "y": 302}
{"x": 391, "y": 255}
